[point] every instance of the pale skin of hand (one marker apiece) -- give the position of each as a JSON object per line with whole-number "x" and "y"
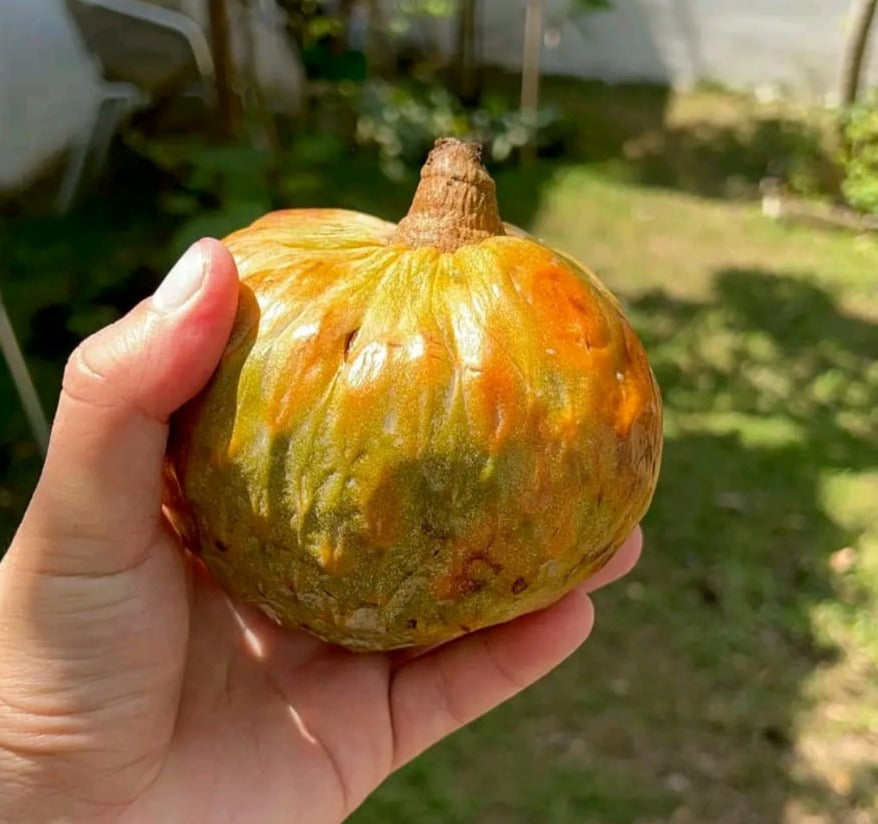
{"x": 133, "y": 690}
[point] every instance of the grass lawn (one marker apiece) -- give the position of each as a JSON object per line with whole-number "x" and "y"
{"x": 733, "y": 678}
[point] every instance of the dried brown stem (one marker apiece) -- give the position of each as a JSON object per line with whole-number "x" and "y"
{"x": 456, "y": 202}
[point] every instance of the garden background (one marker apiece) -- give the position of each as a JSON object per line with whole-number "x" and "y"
{"x": 733, "y": 677}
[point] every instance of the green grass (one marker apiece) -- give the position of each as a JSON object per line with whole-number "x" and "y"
{"x": 733, "y": 678}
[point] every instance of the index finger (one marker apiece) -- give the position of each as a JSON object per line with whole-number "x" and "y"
{"x": 622, "y": 562}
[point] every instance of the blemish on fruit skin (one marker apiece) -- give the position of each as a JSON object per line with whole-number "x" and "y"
{"x": 572, "y": 322}
{"x": 391, "y": 422}
{"x": 383, "y": 515}
{"x": 349, "y": 342}
{"x": 551, "y": 569}
{"x": 470, "y": 587}
{"x": 480, "y": 557}
{"x": 431, "y": 530}
{"x": 366, "y": 618}
{"x": 469, "y": 576}
{"x": 519, "y": 586}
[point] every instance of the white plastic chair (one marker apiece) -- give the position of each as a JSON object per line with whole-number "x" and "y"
{"x": 142, "y": 52}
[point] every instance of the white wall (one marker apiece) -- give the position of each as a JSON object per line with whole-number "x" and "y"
{"x": 792, "y": 46}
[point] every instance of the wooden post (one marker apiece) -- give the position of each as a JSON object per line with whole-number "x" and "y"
{"x": 467, "y": 52}
{"x": 378, "y": 57}
{"x": 530, "y": 68}
{"x": 226, "y": 100}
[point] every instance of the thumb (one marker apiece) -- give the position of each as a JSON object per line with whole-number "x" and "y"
{"x": 101, "y": 484}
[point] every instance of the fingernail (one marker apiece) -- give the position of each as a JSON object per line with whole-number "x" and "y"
{"x": 182, "y": 282}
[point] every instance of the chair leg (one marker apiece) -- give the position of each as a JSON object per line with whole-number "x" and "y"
{"x": 76, "y": 166}
{"x": 73, "y": 174}
{"x": 24, "y": 384}
{"x": 93, "y": 145}
{"x": 105, "y": 128}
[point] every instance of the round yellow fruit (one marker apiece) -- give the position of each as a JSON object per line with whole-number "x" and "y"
{"x": 415, "y": 430}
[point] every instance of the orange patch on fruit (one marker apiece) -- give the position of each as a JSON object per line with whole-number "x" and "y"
{"x": 572, "y": 319}
{"x": 635, "y": 384}
{"x": 499, "y": 398}
{"x": 383, "y": 515}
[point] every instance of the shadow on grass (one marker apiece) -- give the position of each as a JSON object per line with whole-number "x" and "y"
{"x": 730, "y": 160}
{"x": 710, "y": 143}
{"x": 683, "y": 706}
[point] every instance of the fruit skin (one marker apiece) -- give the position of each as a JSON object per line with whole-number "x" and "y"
{"x": 402, "y": 445}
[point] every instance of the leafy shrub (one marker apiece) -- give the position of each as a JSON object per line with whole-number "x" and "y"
{"x": 860, "y": 155}
{"x": 402, "y": 120}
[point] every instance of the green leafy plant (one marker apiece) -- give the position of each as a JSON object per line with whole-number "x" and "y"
{"x": 402, "y": 120}
{"x": 860, "y": 155}
{"x": 402, "y": 12}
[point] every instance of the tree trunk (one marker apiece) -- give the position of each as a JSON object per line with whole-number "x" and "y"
{"x": 468, "y": 85}
{"x": 862, "y": 13}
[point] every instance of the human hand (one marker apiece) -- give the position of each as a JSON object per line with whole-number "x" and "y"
{"x": 133, "y": 690}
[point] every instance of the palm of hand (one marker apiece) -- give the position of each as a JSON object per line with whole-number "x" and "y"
{"x": 271, "y": 724}
{"x": 198, "y": 710}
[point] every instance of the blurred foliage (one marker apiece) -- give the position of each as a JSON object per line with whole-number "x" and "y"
{"x": 403, "y": 119}
{"x": 402, "y": 12}
{"x": 310, "y": 21}
{"x": 402, "y": 112}
{"x": 859, "y": 156}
